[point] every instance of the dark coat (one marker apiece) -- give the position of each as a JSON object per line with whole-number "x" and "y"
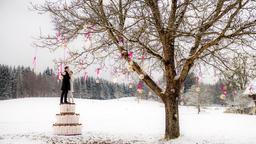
{"x": 65, "y": 81}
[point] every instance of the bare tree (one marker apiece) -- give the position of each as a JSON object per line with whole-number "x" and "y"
{"x": 241, "y": 70}
{"x": 174, "y": 37}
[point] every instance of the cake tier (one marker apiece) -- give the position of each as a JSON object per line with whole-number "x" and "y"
{"x": 67, "y": 108}
{"x": 67, "y": 118}
{"x": 67, "y": 129}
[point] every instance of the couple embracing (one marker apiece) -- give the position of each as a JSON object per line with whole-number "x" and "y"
{"x": 67, "y": 85}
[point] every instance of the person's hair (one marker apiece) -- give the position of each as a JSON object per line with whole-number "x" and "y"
{"x": 66, "y": 67}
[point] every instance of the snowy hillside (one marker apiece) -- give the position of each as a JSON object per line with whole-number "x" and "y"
{"x": 30, "y": 120}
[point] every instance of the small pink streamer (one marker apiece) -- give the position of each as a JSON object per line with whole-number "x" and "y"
{"x": 97, "y": 72}
{"x": 85, "y": 76}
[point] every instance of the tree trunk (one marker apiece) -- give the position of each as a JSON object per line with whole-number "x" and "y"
{"x": 172, "y": 129}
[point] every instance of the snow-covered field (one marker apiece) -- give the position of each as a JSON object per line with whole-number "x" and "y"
{"x": 125, "y": 120}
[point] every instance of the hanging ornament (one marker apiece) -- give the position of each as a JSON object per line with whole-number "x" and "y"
{"x": 114, "y": 80}
{"x": 34, "y": 62}
{"x": 142, "y": 55}
{"x": 88, "y": 32}
{"x": 58, "y": 36}
{"x": 81, "y": 62}
{"x": 87, "y": 35}
{"x": 85, "y": 76}
{"x": 251, "y": 89}
{"x": 140, "y": 87}
{"x": 129, "y": 68}
{"x": 60, "y": 72}
{"x": 97, "y": 75}
{"x": 130, "y": 56}
{"x": 131, "y": 63}
{"x": 120, "y": 41}
{"x": 222, "y": 97}
{"x": 223, "y": 89}
{"x": 198, "y": 89}
{"x": 97, "y": 72}
{"x": 130, "y": 85}
{"x": 64, "y": 43}
{"x": 141, "y": 76}
{"x": 140, "y": 91}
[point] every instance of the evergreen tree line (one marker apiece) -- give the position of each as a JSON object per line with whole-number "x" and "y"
{"x": 19, "y": 82}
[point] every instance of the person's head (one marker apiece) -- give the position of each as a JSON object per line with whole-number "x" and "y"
{"x": 66, "y": 68}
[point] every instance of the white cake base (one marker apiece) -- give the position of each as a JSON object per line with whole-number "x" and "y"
{"x": 67, "y": 129}
{"x": 67, "y": 121}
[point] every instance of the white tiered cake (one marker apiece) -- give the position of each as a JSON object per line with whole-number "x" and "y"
{"x": 67, "y": 121}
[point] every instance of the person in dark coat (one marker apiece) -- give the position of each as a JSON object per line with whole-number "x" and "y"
{"x": 65, "y": 85}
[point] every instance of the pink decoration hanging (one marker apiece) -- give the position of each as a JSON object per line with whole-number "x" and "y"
{"x": 88, "y": 35}
{"x": 58, "y": 36}
{"x": 251, "y": 89}
{"x": 142, "y": 55}
{"x": 223, "y": 89}
{"x": 34, "y": 62}
{"x": 97, "y": 72}
{"x": 85, "y": 76}
{"x": 120, "y": 41}
{"x": 130, "y": 55}
{"x": 59, "y": 71}
{"x": 197, "y": 80}
{"x": 140, "y": 85}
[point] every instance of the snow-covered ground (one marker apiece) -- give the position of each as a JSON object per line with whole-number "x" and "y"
{"x": 125, "y": 120}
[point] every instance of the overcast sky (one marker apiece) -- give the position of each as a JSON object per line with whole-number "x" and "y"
{"x": 19, "y": 25}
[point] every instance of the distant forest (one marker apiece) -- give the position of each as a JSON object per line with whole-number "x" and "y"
{"x": 19, "y": 82}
